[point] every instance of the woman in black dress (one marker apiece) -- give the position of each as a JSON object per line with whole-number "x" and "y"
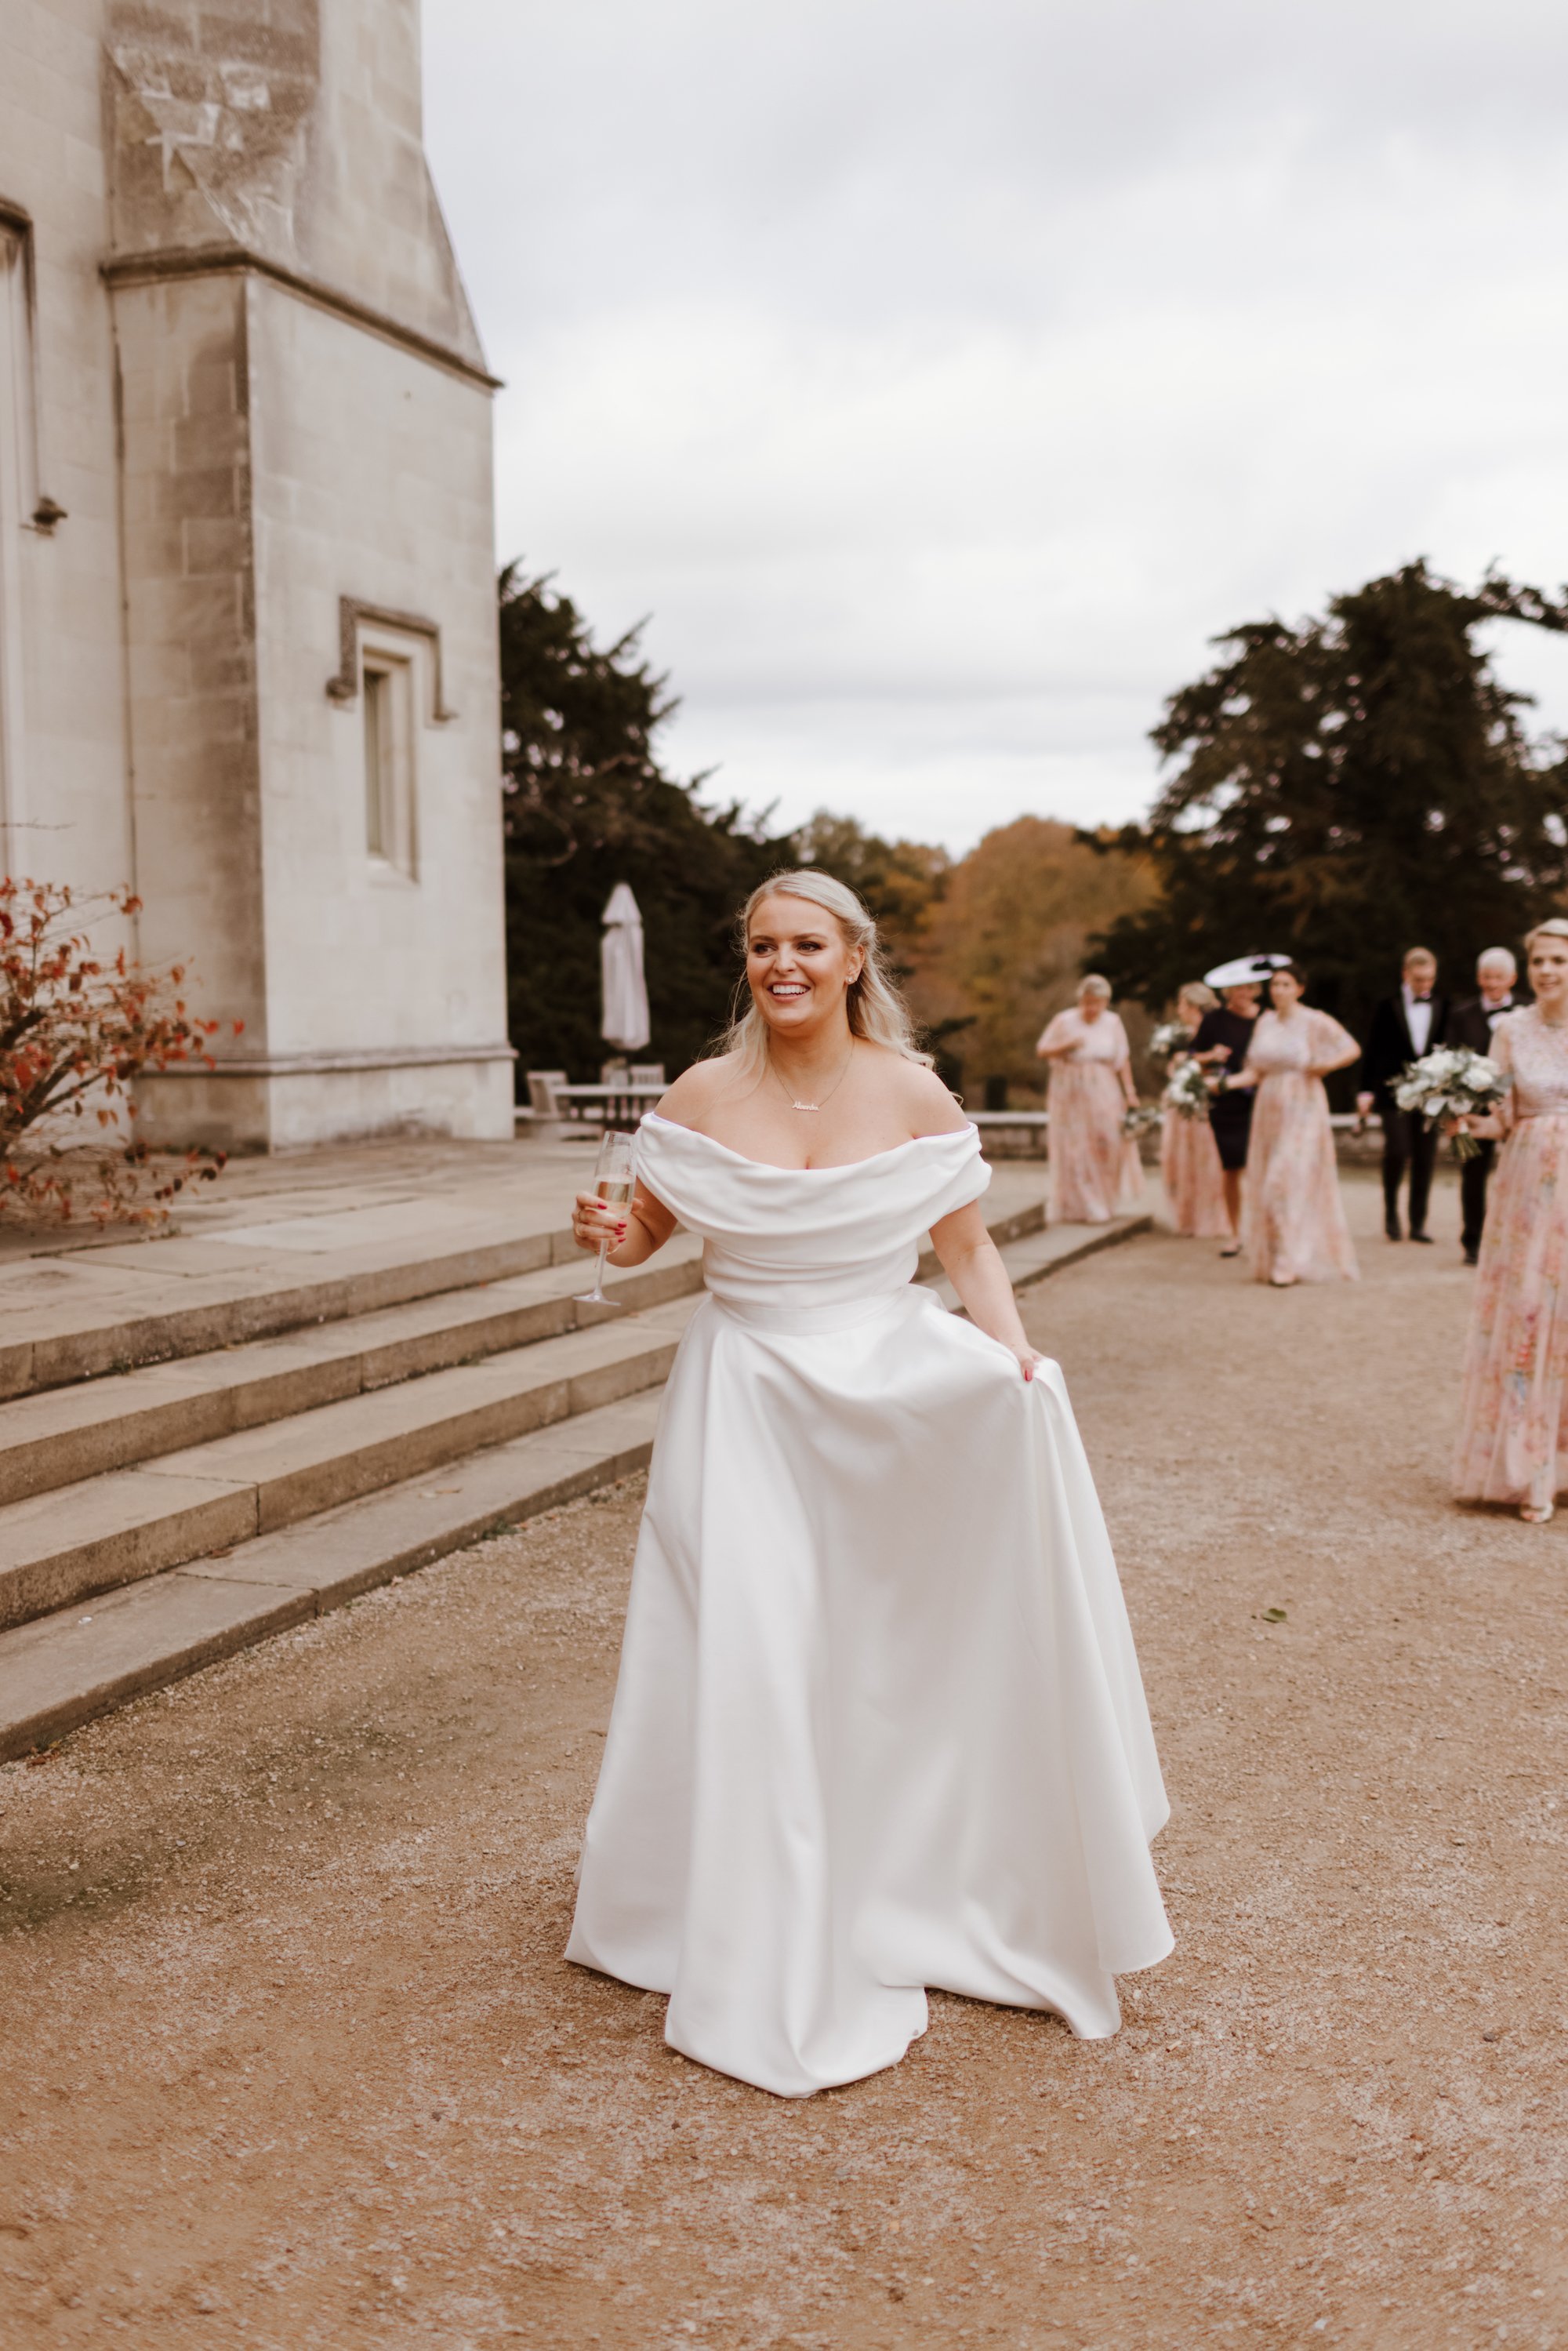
{"x": 1220, "y": 1044}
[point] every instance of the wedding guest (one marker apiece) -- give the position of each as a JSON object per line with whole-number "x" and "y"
{"x": 1189, "y": 1161}
{"x": 1511, "y": 1440}
{"x": 1095, "y": 1171}
{"x": 1403, "y": 1026}
{"x": 1220, "y": 1044}
{"x": 1471, "y": 1024}
{"x": 1294, "y": 1223}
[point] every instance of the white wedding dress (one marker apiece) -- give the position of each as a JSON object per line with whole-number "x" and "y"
{"x": 879, "y": 1722}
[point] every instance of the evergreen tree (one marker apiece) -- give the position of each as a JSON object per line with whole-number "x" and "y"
{"x": 1347, "y": 788}
{"x": 587, "y": 804}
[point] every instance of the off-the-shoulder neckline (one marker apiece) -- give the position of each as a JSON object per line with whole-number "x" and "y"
{"x": 771, "y": 1166}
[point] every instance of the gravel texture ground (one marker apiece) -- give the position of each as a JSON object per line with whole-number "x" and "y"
{"x": 291, "y": 2058}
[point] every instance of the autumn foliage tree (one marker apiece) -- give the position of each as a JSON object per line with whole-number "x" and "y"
{"x": 1005, "y": 946}
{"x": 78, "y": 1027}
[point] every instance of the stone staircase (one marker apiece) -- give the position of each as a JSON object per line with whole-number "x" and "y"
{"x": 176, "y": 1485}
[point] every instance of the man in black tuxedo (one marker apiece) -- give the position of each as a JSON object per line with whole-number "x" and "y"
{"x": 1497, "y": 977}
{"x": 1403, "y": 1026}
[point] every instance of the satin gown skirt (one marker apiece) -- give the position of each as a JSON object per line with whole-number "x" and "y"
{"x": 879, "y": 1722}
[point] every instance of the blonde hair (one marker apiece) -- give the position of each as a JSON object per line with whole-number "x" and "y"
{"x": 875, "y": 1010}
{"x": 1553, "y": 927}
{"x": 1092, "y": 985}
{"x": 1198, "y": 992}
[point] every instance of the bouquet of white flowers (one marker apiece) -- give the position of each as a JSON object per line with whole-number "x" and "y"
{"x": 1138, "y": 1119}
{"x": 1170, "y": 1036}
{"x": 1186, "y": 1092}
{"x": 1452, "y": 1082}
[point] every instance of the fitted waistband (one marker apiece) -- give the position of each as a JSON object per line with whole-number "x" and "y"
{"x": 803, "y": 1320}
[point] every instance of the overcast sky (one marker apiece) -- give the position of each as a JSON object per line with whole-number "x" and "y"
{"x": 940, "y": 375}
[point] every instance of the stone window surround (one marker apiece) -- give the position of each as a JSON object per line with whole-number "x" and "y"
{"x": 16, "y": 222}
{"x": 354, "y": 613}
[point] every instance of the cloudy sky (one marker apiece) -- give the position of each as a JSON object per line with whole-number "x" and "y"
{"x": 940, "y": 375}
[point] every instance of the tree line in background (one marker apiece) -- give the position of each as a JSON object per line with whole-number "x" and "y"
{"x": 1344, "y": 787}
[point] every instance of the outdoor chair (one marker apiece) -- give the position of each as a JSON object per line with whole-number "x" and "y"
{"x": 541, "y": 1085}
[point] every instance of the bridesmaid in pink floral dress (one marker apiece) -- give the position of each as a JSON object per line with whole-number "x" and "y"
{"x": 1293, "y": 1221}
{"x": 1189, "y": 1156}
{"x": 1512, "y": 1441}
{"x": 1095, "y": 1171}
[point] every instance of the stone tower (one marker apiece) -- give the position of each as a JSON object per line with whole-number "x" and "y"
{"x": 247, "y": 624}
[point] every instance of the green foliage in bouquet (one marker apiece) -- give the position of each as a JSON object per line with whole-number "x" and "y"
{"x": 1170, "y": 1036}
{"x": 1453, "y": 1081}
{"x": 1186, "y": 1092}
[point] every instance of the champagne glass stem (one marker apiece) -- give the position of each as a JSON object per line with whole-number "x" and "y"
{"x": 613, "y": 1179}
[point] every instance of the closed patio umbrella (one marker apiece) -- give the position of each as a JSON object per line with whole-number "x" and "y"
{"x": 626, "y": 1019}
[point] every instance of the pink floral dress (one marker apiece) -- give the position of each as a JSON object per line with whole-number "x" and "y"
{"x": 1293, "y": 1221}
{"x": 1095, "y": 1172}
{"x": 1511, "y": 1446}
{"x": 1191, "y": 1173}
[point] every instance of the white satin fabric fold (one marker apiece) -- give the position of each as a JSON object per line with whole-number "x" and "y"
{"x": 879, "y": 1722}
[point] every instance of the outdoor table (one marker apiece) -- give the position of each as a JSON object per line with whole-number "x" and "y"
{"x": 615, "y": 1106}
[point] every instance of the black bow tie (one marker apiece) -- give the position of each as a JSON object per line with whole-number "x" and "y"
{"x": 1420, "y": 999}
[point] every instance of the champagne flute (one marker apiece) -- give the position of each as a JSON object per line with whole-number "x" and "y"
{"x": 614, "y": 1176}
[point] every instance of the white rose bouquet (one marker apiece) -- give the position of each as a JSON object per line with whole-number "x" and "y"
{"x": 1186, "y": 1092}
{"x": 1452, "y": 1082}
{"x": 1138, "y": 1119}
{"x": 1170, "y": 1036}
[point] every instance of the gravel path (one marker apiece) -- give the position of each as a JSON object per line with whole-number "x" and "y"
{"x": 292, "y": 2057}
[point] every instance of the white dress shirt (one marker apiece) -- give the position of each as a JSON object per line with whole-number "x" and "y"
{"x": 1494, "y": 1012}
{"x": 1417, "y": 1019}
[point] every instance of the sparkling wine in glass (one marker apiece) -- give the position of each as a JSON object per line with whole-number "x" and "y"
{"x": 614, "y": 1176}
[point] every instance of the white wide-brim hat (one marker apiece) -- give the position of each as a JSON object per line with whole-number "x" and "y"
{"x": 1244, "y": 971}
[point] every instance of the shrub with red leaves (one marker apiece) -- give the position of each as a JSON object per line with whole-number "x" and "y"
{"x": 76, "y": 1032}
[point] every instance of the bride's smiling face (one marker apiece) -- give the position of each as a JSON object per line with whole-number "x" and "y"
{"x": 799, "y": 965}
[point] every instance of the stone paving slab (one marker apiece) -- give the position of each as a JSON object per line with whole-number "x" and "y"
{"x": 54, "y": 1548}
{"x": 67, "y": 1668}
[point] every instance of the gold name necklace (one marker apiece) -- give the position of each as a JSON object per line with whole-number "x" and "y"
{"x": 828, "y": 1097}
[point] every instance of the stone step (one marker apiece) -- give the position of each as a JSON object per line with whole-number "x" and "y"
{"x": 87, "y": 1316}
{"x": 59, "y": 1436}
{"x": 65, "y": 1669}
{"x": 84, "y": 1326}
{"x": 61, "y": 1547}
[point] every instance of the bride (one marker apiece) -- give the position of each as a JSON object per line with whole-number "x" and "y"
{"x": 879, "y": 1722}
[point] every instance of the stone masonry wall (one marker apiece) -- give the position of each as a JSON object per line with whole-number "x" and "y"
{"x": 190, "y": 628}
